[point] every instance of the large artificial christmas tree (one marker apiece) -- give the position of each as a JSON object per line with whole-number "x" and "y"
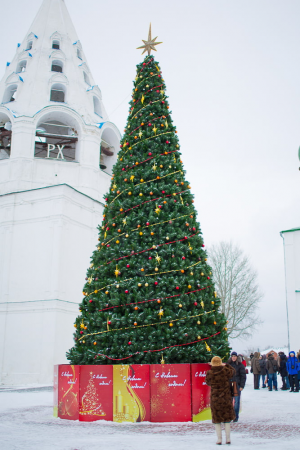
{"x": 149, "y": 289}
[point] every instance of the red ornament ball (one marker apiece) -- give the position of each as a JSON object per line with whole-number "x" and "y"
{"x": 150, "y": 154}
{"x": 163, "y": 192}
{"x": 156, "y": 283}
{"x": 123, "y": 168}
{"x": 91, "y": 301}
{"x": 126, "y": 292}
{"x": 183, "y": 257}
{"x": 109, "y": 322}
{"x": 203, "y": 245}
{"x": 195, "y": 303}
{"x": 159, "y": 206}
{"x": 129, "y": 343}
{"x": 144, "y": 64}
{"x": 147, "y": 223}
{"x": 128, "y": 265}
{"x": 163, "y": 102}
{"x": 150, "y": 257}
{"x": 208, "y": 278}
{"x": 107, "y": 228}
{"x": 177, "y": 287}
{"x": 81, "y": 332}
{"x": 108, "y": 245}
{"x": 167, "y": 142}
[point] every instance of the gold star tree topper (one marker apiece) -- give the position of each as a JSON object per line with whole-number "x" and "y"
{"x": 150, "y": 44}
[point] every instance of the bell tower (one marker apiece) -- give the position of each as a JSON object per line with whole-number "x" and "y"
{"x": 57, "y": 150}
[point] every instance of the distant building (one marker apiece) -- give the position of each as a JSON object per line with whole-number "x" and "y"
{"x": 291, "y": 243}
{"x": 57, "y": 150}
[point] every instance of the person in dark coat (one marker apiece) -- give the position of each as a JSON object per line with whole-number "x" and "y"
{"x": 240, "y": 379}
{"x": 255, "y": 369}
{"x": 272, "y": 368}
{"x": 263, "y": 371}
{"x": 282, "y": 360}
{"x": 292, "y": 366}
{"x": 220, "y": 396}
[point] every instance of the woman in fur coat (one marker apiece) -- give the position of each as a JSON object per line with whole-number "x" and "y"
{"x": 220, "y": 396}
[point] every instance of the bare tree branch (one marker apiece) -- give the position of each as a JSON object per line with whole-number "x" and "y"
{"x": 237, "y": 288}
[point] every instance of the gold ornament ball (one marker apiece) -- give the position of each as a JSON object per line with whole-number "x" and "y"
{"x": 199, "y": 337}
{"x": 75, "y": 325}
{"x": 83, "y": 342}
{"x": 95, "y": 343}
{"x": 117, "y": 242}
{"x": 106, "y": 292}
{"x": 146, "y": 284}
{"x": 142, "y": 269}
{"x": 212, "y": 303}
{"x": 192, "y": 273}
{"x": 141, "y": 233}
{"x": 140, "y": 284}
{"x": 202, "y": 274}
{"x": 189, "y": 286}
{"x": 127, "y": 235}
{"x": 156, "y": 269}
{"x": 198, "y": 322}
{"x": 171, "y": 324}
{"x": 167, "y": 238}
{"x": 117, "y": 286}
{"x": 141, "y": 195}
{"x": 180, "y": 305}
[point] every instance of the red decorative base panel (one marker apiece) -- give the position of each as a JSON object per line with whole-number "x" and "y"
{"x": 132, "y": 393}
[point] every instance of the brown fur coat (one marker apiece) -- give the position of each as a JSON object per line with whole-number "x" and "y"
{"x": 220, "y": 395}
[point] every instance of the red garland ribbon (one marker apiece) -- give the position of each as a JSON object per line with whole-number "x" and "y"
{"x": 152, "y": 121}
{"x": 149, "y": 90}
{"x": 159, "y": 350}
{"x": 148, "y": 249}
{"x": 147, "y": 201}
{"x": 146, "y": 64}
{"x": 154, "y": 299}
{"x": 149, "y": 159}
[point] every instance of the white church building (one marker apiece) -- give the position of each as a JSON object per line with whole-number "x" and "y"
{"x": 291, "y": 243}
{"x": 57, "y": 150}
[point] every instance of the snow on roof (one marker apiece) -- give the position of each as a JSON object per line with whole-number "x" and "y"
{"x": 276, "y": 350}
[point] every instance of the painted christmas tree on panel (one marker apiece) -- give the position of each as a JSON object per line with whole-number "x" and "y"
{"x": 149, "y": 289}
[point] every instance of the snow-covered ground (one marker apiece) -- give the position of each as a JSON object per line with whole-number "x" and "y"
{"x": 269, "y": 420}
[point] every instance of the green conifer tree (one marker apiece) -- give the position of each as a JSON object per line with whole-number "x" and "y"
{"x": 149, "y": 289}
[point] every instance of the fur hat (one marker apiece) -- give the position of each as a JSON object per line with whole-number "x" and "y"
{"x": 216, "y": 361}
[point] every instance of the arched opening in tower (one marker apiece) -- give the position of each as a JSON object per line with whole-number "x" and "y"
{"x": 5, "y": 136}
{"x": 108, "y": 150}
{"x": 10, "y": 93}
{"x": 56, "y": 139}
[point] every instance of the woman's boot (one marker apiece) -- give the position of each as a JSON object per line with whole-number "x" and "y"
{"x": 219, "y": 433}
{"x": 227, "y": 432}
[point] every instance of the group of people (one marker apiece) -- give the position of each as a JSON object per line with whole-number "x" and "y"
{"x": 227, "y": 381}
{"x": 266, "y": 367}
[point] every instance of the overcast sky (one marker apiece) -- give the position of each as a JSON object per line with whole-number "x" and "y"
{"x": 232, "y": 71}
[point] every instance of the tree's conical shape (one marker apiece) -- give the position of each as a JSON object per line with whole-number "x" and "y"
{"x": 149, "y": 289}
